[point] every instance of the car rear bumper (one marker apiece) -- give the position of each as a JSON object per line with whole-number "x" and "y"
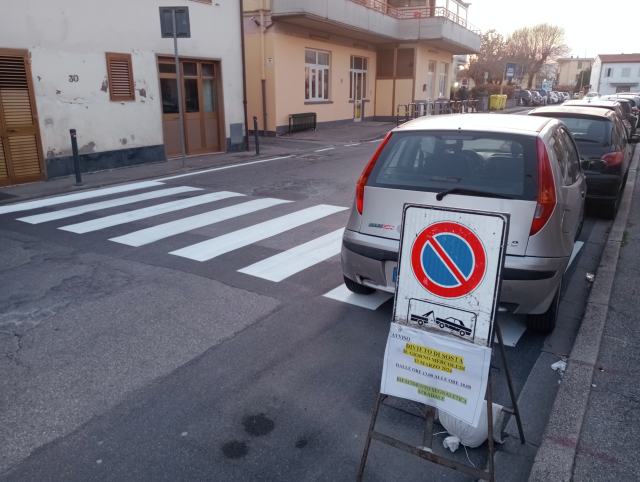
{"x": 528, "y": 283}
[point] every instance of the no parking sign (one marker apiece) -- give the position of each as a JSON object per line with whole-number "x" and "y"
{"x": 449, "y": 271}
{"x": 438, "y": 350}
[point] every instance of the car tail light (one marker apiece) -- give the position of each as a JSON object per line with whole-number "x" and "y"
{"x": 364, "y": 177}
{"x": 546, "y": 190}
{"x": 613, "y": 159}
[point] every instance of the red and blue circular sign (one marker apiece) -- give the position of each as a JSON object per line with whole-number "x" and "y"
{"x": 448, "y": 259}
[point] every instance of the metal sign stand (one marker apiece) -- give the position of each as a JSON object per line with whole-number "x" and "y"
{"x": 426, "y": 450}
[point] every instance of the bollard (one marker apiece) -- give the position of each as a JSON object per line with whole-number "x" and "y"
{"x": 76, "y": 158}
{"x": 255, "y": 135}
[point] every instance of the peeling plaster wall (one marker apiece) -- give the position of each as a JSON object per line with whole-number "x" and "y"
{"x": 70, "y": 38}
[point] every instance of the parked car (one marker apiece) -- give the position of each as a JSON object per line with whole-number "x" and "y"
{"x": 605, "y": 152}
{"x": 486, "y": 162}
{"x": 604, "y": 104}
{"x": 537, "y": 98}
{"x": 553, "y": 97}
{"x": 634, "y": 113}
{"x": 592, "y": 94}
{"x": 522, "y": 97}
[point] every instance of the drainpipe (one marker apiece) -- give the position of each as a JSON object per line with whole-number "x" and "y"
{"x": 263, "y": 76}
{"x": 244, "y": 79}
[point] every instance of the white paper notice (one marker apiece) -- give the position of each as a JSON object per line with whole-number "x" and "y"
{"x": 436, "y": 370}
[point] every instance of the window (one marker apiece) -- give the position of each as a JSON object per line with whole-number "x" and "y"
{"x": 433, "y": 161}
{"x": 443, "y": 82}
{"x": 385, "y": 63}
{"x": 431, "y": 75}
{"x": 405, "y": 63}
{"x": 609, "y": 72}
{"x": 626, "y": 71}
{"x": 579, "y": 65}
{"x": 358, "y": 78}
{"x": 316, "y": 87}
{"x": 120, "y": 75}
{"x": 567, "y": 157}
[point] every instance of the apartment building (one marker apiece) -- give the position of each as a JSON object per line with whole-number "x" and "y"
{"x": 349, "y": 60}
{"x": 103, "y": 69}
{"x": 616, "y": 73}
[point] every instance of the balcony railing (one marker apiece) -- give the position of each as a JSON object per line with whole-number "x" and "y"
{"x": 405, "y": 13}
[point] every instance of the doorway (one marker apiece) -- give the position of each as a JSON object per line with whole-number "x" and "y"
{"x": 358, "y": 85}
{"x": 202, "y": 101}
{"x": 20, "y": 148}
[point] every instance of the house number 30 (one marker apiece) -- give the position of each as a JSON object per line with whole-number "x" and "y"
{"x": 74, "y": 78}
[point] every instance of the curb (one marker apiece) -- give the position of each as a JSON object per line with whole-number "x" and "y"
{"x": 556, "y": 455}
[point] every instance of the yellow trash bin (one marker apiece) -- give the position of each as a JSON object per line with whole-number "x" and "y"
{"x": 494, "y": 102}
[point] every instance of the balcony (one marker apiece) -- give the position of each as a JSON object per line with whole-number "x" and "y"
{"x": 377, "y": 21}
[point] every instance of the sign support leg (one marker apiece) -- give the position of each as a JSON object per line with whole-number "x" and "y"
{"x": 507, "y": 372}
{"x": 367, "y": 444}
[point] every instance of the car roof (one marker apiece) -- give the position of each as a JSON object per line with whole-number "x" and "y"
{"x": 593, "y": 101}
{"x": 477, "y": 122}
{"x": 574, "y": 109}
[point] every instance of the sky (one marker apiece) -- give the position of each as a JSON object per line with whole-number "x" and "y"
{"x": 591, "y": 28}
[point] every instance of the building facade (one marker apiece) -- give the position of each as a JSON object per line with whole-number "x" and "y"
{"x": 570, "y": 68}
{"x": 103, "y": 69}
{"x": 349, "y": 60}
{"x": 615, "y": 73}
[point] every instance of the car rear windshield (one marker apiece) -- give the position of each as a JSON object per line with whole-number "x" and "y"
{"x": 588, "y": 130}
{"x": 435, "y": 161}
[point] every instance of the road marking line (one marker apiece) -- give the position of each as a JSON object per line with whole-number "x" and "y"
{"x": 375, "y": 140}
{"x": 223, "y": 168}
{"x": 172, "y": 228}
{"x": 285, "y": 264}
{"x": 352, "y": 145}
{"x": 325, "y": 149}
{"x": 576, "y": 249}
{"x": 370, "y": 302}
{"x": 212, "y": 248}
{"x": 78, "y": 196}
{"x": 144, "y": 213}
{"x": 87, "y": 208}
{"x": 512, "y": 326}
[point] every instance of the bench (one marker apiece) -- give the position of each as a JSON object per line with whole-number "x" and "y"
{"x": 302, "y": 122}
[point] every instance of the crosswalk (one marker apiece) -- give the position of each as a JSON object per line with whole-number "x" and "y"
{"x": 150, "y": 203}
{"x": 99, "y": 204}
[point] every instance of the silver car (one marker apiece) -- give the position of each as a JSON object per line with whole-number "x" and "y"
{"x": 525, "y": 166}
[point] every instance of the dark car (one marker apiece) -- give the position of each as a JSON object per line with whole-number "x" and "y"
{"x": 614, "y": 105}
{"x": 523, "y": 97}
{"x": 604, "y": 148}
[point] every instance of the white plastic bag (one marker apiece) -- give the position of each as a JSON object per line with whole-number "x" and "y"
{"x": 474, "y": 436}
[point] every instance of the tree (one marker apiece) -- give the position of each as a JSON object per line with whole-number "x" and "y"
{"x": 534, "y": 46}
{"x": 490, "y": 60}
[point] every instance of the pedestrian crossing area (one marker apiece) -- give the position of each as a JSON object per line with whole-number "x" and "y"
{"x": 124, "y": 208}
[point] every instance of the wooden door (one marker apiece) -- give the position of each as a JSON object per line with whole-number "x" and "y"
{"x": 203, "y": 119}
{"x": 20, "y": 158}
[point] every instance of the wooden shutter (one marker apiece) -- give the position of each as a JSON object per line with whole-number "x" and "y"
{"x": 4, "y": 173}
{"x": 120, "y": 71}
{"x": 20, "y": 159}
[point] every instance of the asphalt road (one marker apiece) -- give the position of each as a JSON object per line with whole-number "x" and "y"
{"x": 131, "y": 359}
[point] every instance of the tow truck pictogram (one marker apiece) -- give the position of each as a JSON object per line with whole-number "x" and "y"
{"x": 453, "y": 324}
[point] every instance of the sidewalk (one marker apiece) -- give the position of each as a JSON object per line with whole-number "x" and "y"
{"x": 594, "y": 429}
{"x": 269, "y": 147}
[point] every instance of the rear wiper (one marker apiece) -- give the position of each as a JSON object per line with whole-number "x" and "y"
{"x": 472, "y": 192}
